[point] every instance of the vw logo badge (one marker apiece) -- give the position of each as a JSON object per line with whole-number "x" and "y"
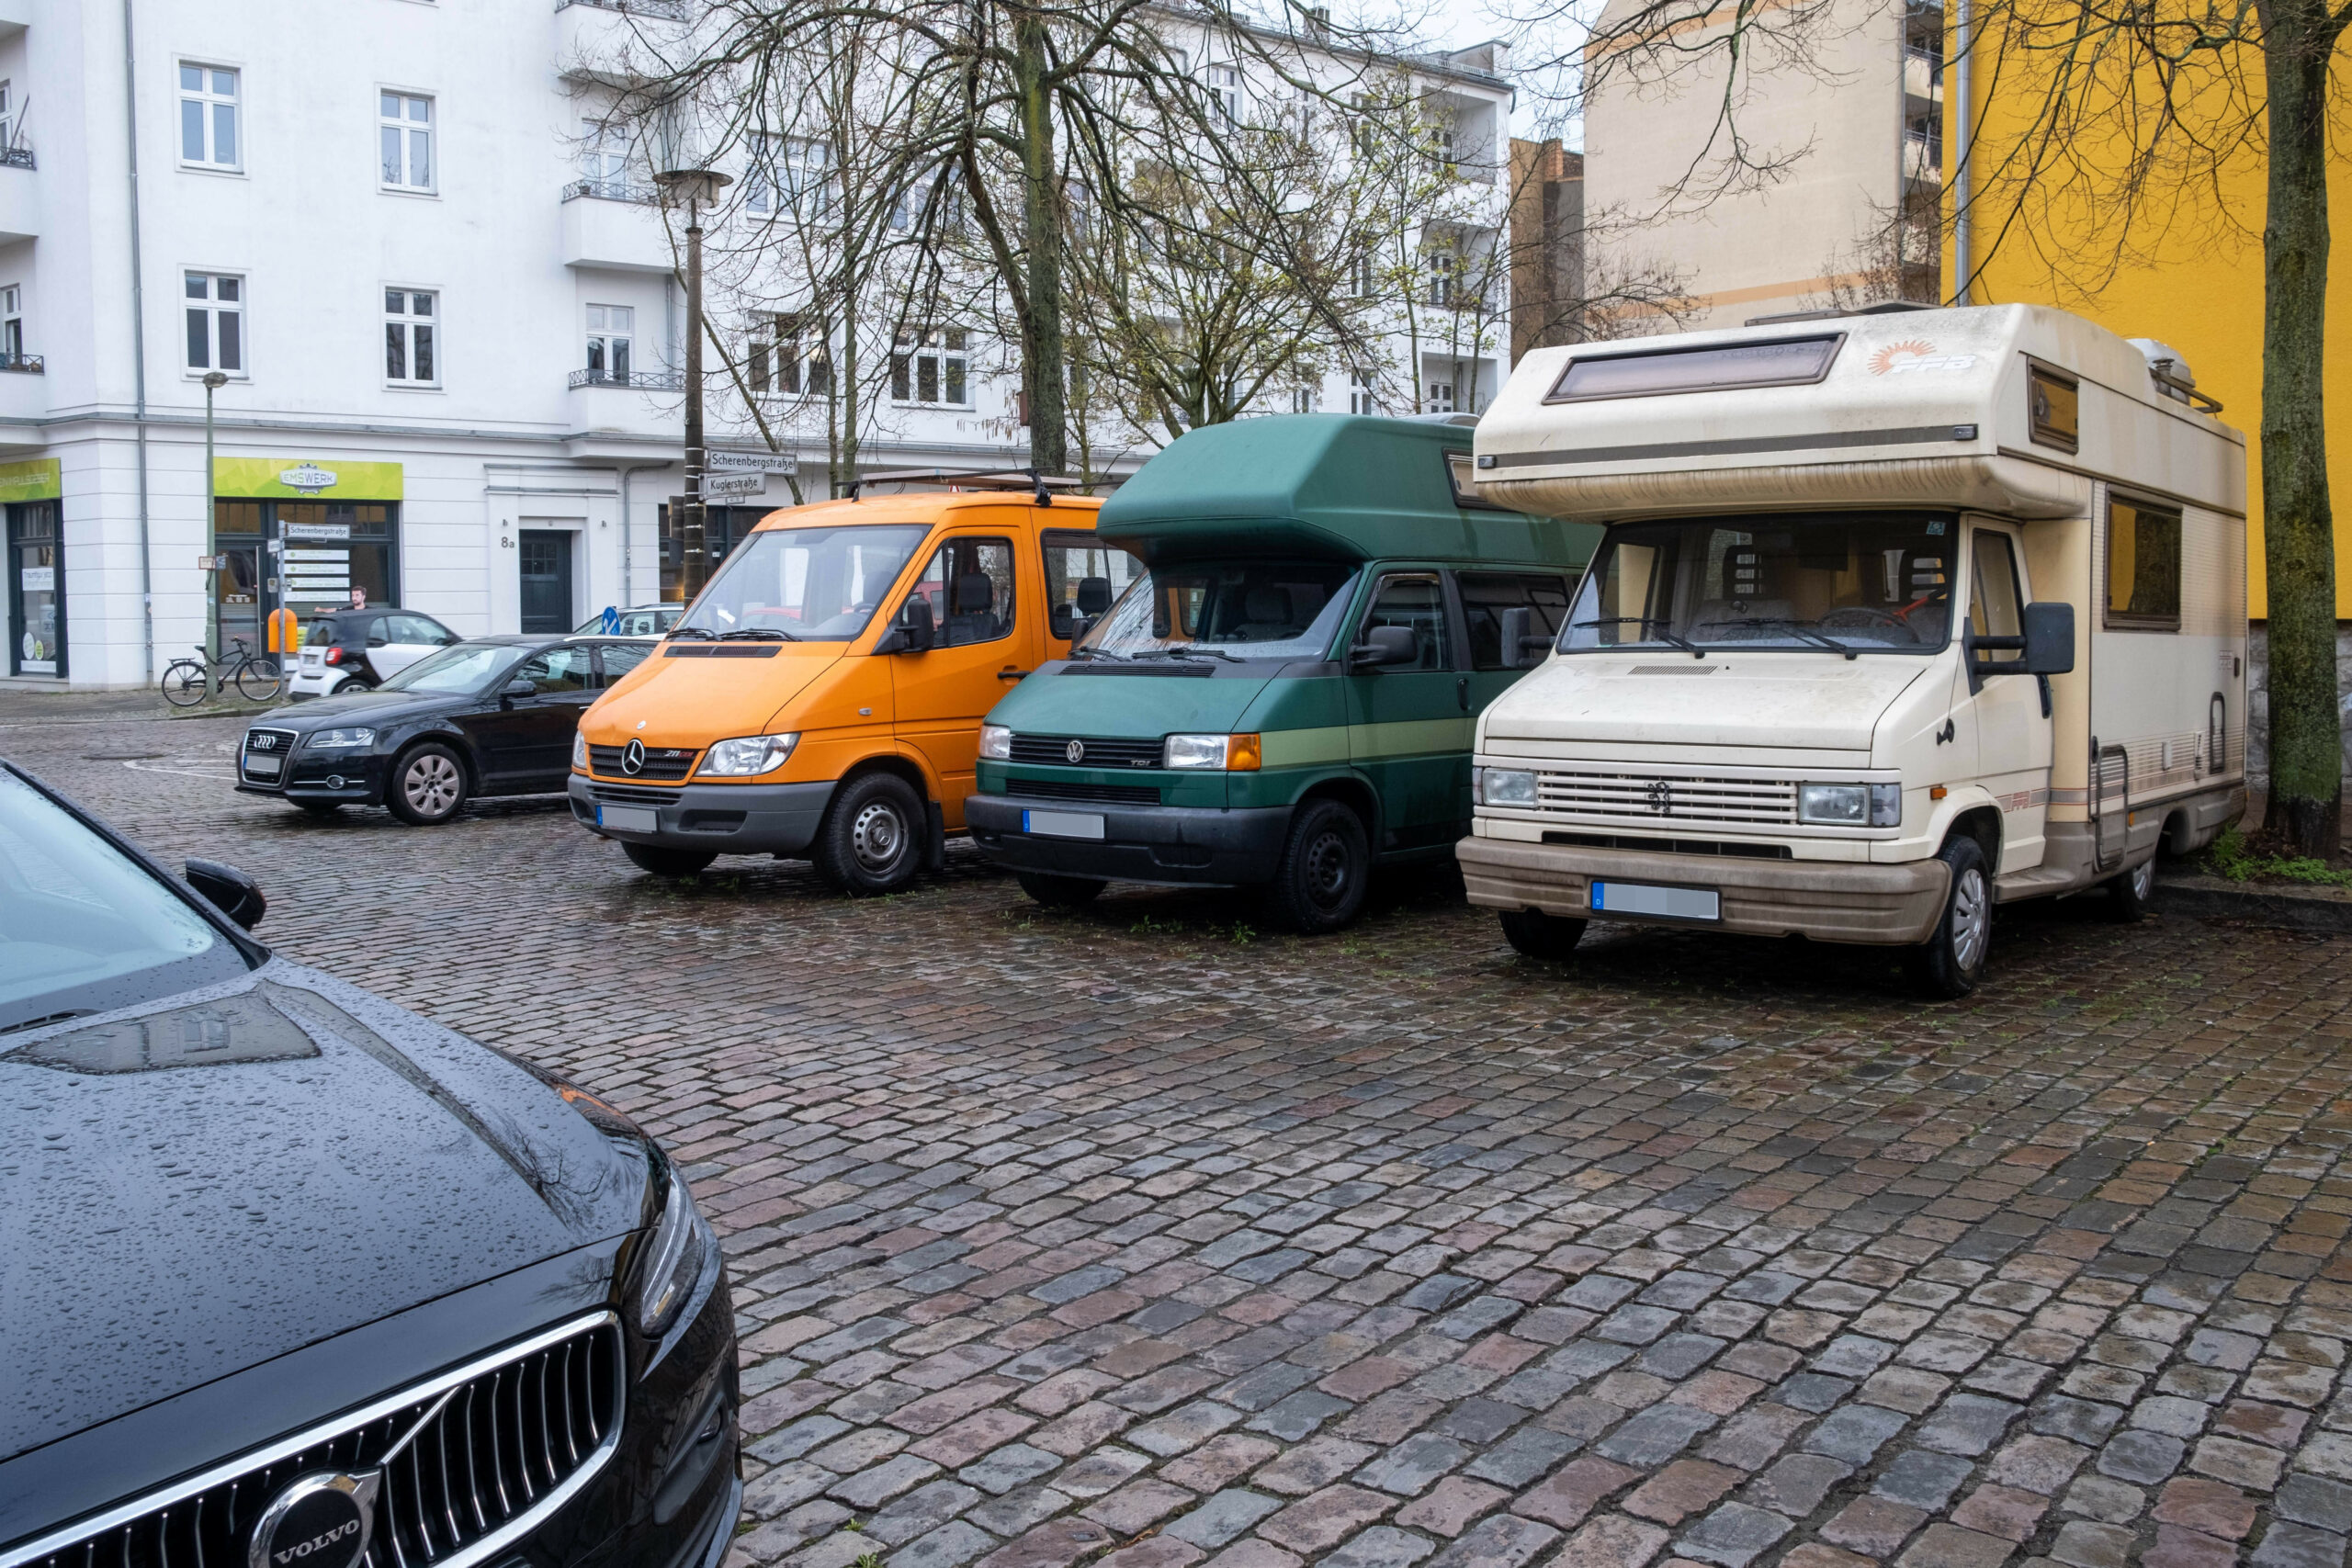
{"x": 320, "y": 1520}
{"x": 633, "y": 756}
{"x": 1075, "y": 751}
{"x": 1661, "y": 795}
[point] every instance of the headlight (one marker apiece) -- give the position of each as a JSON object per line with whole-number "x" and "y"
{"x": 341, "y": 740}
{"x": 579, "y": 749}
{"x": 1233, "y": 753}
{"x": 747, "y": 756}
{"x": 1503, "y": 786}
{"x": 1850, "y": 805}
{"x": 996, "y": 743}
{"x": 673, "y": 1259}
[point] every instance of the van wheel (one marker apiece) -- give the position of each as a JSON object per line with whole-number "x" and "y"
{"x": 2129, "y": 895}
{"x": 1058, "y": 892}
{"x": 428, "y": 786}
{"x": 1325, "y": 871}
{"x": 667, "y": 862}
{"x": 1539, "y": 935}
{"x": 1950, "y": 963}
{"x": 872, "y": 841}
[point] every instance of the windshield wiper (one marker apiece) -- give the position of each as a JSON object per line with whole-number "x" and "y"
{"x": 1097, "y": 653}
{"x": 758, "y": 634}
{"x": 703, "y": 632}
{"x": 1670, "y": 638}
{"x": 1818, "y": 639}
{"x": 1197, "y": 652}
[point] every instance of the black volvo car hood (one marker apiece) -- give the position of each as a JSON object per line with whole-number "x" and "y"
{"x": 192, "y": 1187}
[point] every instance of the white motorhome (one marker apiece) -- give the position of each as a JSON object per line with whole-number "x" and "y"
{"x": 1900, "y": 615}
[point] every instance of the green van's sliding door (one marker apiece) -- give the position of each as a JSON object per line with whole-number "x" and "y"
{"x": 1409, "y": 725}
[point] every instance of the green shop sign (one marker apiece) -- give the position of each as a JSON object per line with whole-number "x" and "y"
{"x": 32, "y": 479}
{"x": 301, "y": 478}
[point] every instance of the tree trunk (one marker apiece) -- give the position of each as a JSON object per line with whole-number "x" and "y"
{"x": 1041, "y": 349}
{"x": 2306, "y": 739}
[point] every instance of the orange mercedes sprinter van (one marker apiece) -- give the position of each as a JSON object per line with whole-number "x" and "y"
{"x": 822, "y": 698}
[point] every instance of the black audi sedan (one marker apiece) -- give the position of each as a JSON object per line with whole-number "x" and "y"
{"x": 492, "y": 715}
{"x": 292, "y": 1275}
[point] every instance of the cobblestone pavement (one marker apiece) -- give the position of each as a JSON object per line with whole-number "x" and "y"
{"x": 1137, "y": 1236}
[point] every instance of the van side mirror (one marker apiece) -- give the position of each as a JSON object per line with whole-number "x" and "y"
{"x": 1523, "y": 650}
{"x": 2046, "y": 645}
{"x": 229, "y": 890}
{"x": 915, "y": 632}
{"x": 1383, "y": 645}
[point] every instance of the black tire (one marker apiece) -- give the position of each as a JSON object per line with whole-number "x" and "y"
{"x": 872, "y": 839}
{"x": 185, "y": 684}
{"x": 1058, "y": 892}
{"x": 667, "y": 862}
{"x": 1952, "y": 961}
{"x": 1325, "y": 871}
{"x": 321, "y": 809}
{"x": 2130, "y": 895}
{"x": 428, "y": 786}
{"x": 259, "y": 679}
{"x": 1538, "y": 935}
{"x": 355, "y": 685}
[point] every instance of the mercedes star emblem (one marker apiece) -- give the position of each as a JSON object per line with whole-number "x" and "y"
{"x": 633, "y": 756}
{"x": 1076, "y": 751}
{"x": 1661, "y": 795}
{"x": 320, "y": 1520}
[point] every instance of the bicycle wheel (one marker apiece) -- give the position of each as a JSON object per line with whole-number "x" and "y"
{"x": 258, "y": 678}
{"x": 184, "y": 683}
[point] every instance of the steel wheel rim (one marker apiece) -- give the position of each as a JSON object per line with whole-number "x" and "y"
{"x": 2143, "y": 878}
{"x": 878, "y": 836}
{"x": 430, "y": 785}
{"x": 1327, "y": 869}
{"x": 1971, "y": 919}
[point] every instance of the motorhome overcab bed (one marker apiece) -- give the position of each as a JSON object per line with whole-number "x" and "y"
{"x": 1899, "y": 616}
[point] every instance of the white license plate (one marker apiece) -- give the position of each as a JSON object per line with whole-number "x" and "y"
{"x": 1669, "y": 903}
{"x": 264, "y": 767}
{"x": 1062, "y": 824}
{"x": 313, "y": 660}
{"x": 629, "y": 818}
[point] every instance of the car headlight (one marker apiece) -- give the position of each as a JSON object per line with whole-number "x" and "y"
{"x": 672, "y": 1259}
{"x": 579, "y": 749}
{"x": 996, "y": 743}
{"x": 1233, "y": 753}
{"x": 750, "y": 754}
{"x": 1850, "y": 805}
{"x": 1503, "y": 786}
{"x": 341, "y": 740}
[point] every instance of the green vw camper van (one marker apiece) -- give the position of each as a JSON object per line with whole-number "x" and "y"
{"x": 1284, "y": 697}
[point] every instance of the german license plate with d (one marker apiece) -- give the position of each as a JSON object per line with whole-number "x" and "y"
{"x": 1657, "y": 903}
{"x": 629, "y": 818}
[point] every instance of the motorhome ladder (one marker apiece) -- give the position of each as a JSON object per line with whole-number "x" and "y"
{"x": 2110, "y": 762}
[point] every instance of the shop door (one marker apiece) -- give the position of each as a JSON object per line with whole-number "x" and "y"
{"x": 546, "y": 567}
{"x": 1409, "y": 724}
{"x": 35, "y": 592}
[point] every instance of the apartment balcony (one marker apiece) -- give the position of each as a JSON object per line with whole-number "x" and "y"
{"x": 1923, "y": 160}
{"x": 1923, "y": 76}
{"x": 19, "y": 195}
{"x": 620, "y": 415}
{"x": 24, "y": 389}
{"x": 607, "y": 40}
{"x": 628, "y": 380}
{"x": 616, "y": 226}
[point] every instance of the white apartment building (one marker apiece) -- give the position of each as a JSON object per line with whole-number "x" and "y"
{"x": 450, "y": 326}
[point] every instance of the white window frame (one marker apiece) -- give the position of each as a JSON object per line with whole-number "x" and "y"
{"x": 1306, "y": 400}
{"x": 407, "y": 321}
{"x": 1443, "y": 264}
{"x": 400, "y": 122}
{"x": 1224, "y": 84}
{"x": 210, "y": 101}
{"x": 943, "y": 347}
{"x": 785, "y": 355}
{"x": 210, "y": 304}
{"x": 608, "y": 330}
{"x": 1363, "y": 388}
{"x": 12, "y": 322}
{"x": 1438, "y": 397}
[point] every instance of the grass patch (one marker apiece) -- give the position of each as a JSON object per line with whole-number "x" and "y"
{"x": 2233, "y": 859}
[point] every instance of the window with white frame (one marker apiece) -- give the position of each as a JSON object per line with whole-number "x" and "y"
{"x": 12, "y": 323}
{"x": 788, "y": 173}
{"x": 1306, "y": 400}
{"x": 1364, "y": 273}
{"x": 1438, "y": 398}
{"x": 610, "y": 329}
{"x": 791, "y": 359}
{"x": 7, "y": 114}
{"x": 412, "y": 341}
{"x": 404, "y": 135}
{"x": 216, "y": 321}
{"x": 603, "y": 156}
{"x": 931, "y": 365}
{"x": 1445, "y": 278}
{"x": 1225, "y": 92}
{"x": 1361, "y": 385}
{"x": 209, "y": 110}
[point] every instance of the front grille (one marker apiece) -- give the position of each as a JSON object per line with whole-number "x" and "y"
{"x": 1672, "y": 846}
{"x": 1659, "y": 797}
{"x": 1101, "y": 795}
{"x": 1054, "y": 749}
{"x": 279, "y": 743}
{"x": 622, "y": 795}
{"x": 478, "y": 1457}
{"x": 663, "y": 764}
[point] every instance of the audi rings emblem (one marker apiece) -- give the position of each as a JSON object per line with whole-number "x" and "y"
{"x": 1075, "y": 750}
{"x": 1661, "y": 797}
{"x": 633, "y": 756}
{"x": 264, "y": 742}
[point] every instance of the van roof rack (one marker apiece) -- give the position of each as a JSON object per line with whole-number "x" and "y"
{"x": 1884, "y": 308}
{"x": 1041, "y": 485}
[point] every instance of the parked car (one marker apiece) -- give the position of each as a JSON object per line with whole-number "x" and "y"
{"x": 297, "y": 1274}
{"x": 348, "y": 649}
{"x": 493, "y": 716}
{"x": 640, "y": 620}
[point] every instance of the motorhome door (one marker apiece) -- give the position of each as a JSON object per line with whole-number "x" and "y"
{"x": 2002, "y": 716}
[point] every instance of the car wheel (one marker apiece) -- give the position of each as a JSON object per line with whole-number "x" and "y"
{"x": 2129, "y": 895}
{"x": 871, "y": 839}
{"x": 1538, "y": 935}
{"x": 1950, "y": 963}
{"x": 354, "y": 684}
{"x": 322, "y": 809}
{"x": 1325, "y": 871}
{"x": 428, "y": 786}
{"x": 667, "y": 862}
{"x": 1058, "y": 892}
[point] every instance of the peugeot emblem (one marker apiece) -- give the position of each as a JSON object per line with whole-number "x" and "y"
{"x": 1075, "y": 751}
{"x": 633, "y": 756}
{"x": 1661, "y": 795}
{"x": 320, "y": 1520}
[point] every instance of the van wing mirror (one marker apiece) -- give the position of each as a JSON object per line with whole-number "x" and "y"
{"x": 1385, "y": 645}
{"x": 1523, "y": 650}
{"x": 915, "y": 632}
{"x": 2047, "y": 646}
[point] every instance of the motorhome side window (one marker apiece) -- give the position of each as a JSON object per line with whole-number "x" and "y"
{"x": 2053, "y": 409}
{"x": 2143, "y": 566}
{"x": 1487, "y": 595}
{"x": 1993, "y": 597}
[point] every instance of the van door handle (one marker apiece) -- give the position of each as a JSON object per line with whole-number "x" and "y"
{"x": 1009, "y": 673}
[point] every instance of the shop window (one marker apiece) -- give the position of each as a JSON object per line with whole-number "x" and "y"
{"x": 412, "y": 350}
{"x": 404, "y": 133}
{"x": 2143, "y": 566}
{"x": 610, "y": 329}
{"x": 216, "y": 321}
{"x": 931, "y": 365}
{"x": 209, "y": 110}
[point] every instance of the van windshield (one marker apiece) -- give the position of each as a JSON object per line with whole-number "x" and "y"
{"x": 1248, "y": 609}
{"x": 804, "y": 585}
{"x": 1841, "y": 582}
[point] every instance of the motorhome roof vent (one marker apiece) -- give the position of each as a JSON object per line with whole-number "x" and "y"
{"x": 2170, "y": 371}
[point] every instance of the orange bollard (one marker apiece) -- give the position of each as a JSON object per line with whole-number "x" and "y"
{"x": 285, "y": 631}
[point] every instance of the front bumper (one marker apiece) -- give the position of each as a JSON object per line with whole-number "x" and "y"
{"x": 729, "y": 819}
{"x": 1827, "y": 900}
{"x": 347, "y": 778}
{"x": 1185, "y": 846}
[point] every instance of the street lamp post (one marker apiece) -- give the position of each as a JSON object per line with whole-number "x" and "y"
{"x": 695, "y": 188}
{"x": 213, "y": 381}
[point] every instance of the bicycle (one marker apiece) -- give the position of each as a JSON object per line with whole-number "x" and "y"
{"x": 258, "y": 676}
